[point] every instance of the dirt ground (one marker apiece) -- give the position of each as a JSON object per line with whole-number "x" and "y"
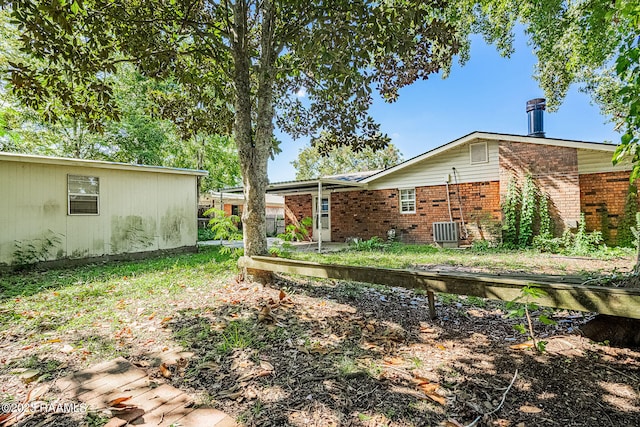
{"x": 303, "y": 352}
{"x": 338, "y": 354}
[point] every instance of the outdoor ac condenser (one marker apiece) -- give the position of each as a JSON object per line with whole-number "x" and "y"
{"x": 446, "y": 234}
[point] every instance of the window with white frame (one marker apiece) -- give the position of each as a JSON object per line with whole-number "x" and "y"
{"x": 83, "y": 194}
{"x": 408, "y": 200}
{"x": 479, "y": 153}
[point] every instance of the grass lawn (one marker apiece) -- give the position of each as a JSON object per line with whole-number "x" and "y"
{"x": 617, "y": 260}
{"x": 92, "y": 307}
{"x": 313, "y": 352}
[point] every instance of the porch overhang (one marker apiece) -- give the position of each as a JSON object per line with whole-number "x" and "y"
{"x": 288, "y": 188}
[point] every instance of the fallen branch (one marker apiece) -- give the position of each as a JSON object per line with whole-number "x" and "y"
{"x": 497, "y": 408}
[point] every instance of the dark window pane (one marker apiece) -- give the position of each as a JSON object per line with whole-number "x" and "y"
{"x": 83, "y": 205}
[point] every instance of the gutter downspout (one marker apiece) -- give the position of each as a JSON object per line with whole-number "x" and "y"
{"x": 319, "y": 215}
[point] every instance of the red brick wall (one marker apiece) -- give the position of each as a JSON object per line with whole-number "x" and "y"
{"x": 366, "y": 214}
{"x": 604, "y": 189}
{"x": 555, "y": 172}
{"x": 297, "y": 207}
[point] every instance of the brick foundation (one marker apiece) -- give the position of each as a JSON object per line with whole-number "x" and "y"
{"x": 604, "y": 194}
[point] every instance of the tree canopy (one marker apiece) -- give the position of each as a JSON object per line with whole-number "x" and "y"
{"x": 156, "y": 124}
{"x": 312, "y": 163}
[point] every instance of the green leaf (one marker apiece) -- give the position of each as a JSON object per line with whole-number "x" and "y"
{"x": 520, "y": 328}
{"x": 546, "y": 320}
{"x": 533, "y": 292}
{"x": 541, "y": 346}
{"x": 516, "y": 313}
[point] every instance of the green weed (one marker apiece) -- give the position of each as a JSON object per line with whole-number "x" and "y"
{"x": 237, "y": 335}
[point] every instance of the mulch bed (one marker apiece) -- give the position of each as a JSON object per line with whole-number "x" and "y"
{"x": 326, "y": 353}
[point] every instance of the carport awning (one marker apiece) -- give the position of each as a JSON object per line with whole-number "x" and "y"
{"x": 308, "y": 186}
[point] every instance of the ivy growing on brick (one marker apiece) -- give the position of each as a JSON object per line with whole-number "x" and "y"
{"x": 510, "y": 208}
{"x": 546, "y": 224}
{"x": 625, "y": 234}
{"x": 605, "y": 223}
{"x": 527, "y": 212}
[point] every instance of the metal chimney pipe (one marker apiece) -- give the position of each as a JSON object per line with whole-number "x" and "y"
{"x": 535, "y": 111}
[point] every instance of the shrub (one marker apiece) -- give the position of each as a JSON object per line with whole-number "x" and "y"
{"x": 580, "y": 243}
{"x": 480, "y": 246}
{"x": 222, "y": 226}
{"x": 373, "y": 244}
{"x": 297, "y": 232}
{"x": 546, "y": 243}
{"x": 205, "y": 234}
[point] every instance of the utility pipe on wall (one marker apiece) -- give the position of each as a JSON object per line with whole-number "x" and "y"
{"x": 319, "y": 216}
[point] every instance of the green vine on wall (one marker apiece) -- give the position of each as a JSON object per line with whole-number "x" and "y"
{"x": 625, "y": 235}
{"x": 510, "y": 208}
{"x": 605, "y": 223}
{"x": 527, "y": 212}
{"x": 546, "y": 225}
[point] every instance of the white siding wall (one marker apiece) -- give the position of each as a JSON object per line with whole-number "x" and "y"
{"x": 592, "y": 161}
{"x": 139, "y": 211}
{"x": 432, "y": 171}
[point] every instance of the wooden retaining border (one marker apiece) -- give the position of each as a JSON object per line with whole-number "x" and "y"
{"x": 614, "y": 301}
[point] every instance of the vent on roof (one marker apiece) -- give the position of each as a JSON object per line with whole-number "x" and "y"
{"x": 535, "y": 111}
{"x": 446, "y": 233}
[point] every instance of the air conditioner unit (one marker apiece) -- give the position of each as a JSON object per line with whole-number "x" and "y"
{"x": 446, "y": 234}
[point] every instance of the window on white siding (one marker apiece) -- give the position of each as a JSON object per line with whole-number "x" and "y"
{"x": 408, "y": 200}
{"x": 83, "y": 194}
{"x": 479, "y": 153}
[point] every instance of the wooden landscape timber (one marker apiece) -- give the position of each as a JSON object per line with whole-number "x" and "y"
{"x": 599, "y": 299}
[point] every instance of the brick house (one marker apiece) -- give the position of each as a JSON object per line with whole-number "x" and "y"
{"x": 464, "y": 182}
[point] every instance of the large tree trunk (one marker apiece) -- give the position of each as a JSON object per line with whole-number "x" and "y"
{"x": 253, "y": 150}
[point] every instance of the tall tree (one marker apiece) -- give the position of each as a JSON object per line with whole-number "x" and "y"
{"x": 213, "y": 153}
{"x": 311, "y": 163}
{"x": 591, "y": 43}
{"x": 252, "y": 55}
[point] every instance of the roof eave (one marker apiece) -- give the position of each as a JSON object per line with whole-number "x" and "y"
{"x": 586, "y": 145}
{"x": 303, "y": 187}
{"x": 63, "y": 161}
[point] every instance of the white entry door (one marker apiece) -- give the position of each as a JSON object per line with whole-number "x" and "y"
{"x": 324, "y": 218}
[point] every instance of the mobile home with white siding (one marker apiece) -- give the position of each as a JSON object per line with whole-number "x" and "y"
{"x": 57, "y": 209}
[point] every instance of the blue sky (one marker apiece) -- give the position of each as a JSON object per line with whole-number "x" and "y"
{"x": 488, "y": 94}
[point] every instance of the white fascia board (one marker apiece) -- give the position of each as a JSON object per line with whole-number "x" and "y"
{"x": 63, "y": 161}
